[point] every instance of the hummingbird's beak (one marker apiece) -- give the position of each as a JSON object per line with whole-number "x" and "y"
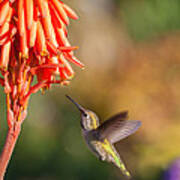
{"x": 81, "y": 109}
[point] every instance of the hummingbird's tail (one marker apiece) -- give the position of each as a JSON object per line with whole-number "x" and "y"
{"x": 123, "y": 169}
{"x": 114, "y": 157}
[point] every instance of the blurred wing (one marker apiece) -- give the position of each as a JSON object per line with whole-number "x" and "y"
{"x": 128, "y": 128}
{"x": 117, "y": 128}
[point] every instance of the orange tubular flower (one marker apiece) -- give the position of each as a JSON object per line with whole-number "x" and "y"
{"x": 33, "y": 42}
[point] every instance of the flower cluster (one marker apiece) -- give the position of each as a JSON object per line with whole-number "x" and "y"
{"x": 33, "y": 44}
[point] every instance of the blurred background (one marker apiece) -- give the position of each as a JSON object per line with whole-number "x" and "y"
{"x": 131, "y": 50}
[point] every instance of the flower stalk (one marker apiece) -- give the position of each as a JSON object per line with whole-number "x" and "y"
{"x": 9, "y": 145}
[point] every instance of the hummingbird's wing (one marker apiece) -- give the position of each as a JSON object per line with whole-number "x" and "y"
{"x": 117, "y": 128}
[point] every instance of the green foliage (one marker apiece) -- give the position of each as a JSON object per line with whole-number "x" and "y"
{"x": 149, "y": 18}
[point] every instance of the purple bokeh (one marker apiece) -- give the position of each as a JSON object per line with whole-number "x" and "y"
{"x": 173, "y": 172}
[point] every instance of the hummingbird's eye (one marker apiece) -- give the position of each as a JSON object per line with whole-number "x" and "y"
{"x": 86, "y": 115}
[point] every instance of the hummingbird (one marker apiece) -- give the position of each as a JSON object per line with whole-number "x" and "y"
{"x": 101, "y": 138}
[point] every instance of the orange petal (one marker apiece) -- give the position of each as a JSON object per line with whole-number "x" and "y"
{"x": 46, "y": 21}
{"x": 5, "y": 53}
{"x": 23, "y": 47}
{"x": 64, "y": 28}
{"x": 40, "y": 40}
{"x": 73, "y": 60}
{"x": 4, "y": 9}
{"x": 29, "y": 13}
{"x": 42, "y": 4}
{"x": 10, "y": 13}
{"x": 59, "y": 7}
{"x": 56, "y": 20}
{"x": 3, "y": 40}
{"x": 4, "y": 30}
{"x": 6, "y": 26}
{"x": 21, "y": 18}
{"x": 51, "y": 48}
{"x": 68, "y": 49}
{"x": 22, "y": 30}
{"x": 62, "y": 74}
{"x": 9, "y": 36}
{"x": 67, "y": 68}
{"x": 36, "y": 13}
{"x": 61, "y": 37}
{"x": 32, "y": 34}
{"x": 70, "y": 12}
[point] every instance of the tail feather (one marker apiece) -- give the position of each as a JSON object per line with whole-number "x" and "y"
{"x": 113, "y": 156}
{"x": 122, "y": 167}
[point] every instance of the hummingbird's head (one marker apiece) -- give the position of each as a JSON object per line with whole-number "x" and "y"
{"x": 89, "y": 119}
